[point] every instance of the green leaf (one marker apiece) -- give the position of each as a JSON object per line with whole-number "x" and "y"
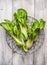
{"x": 15, "y": 30}
{"x": 22, "y": 15}
{"x": 7, "y": 21}
{"x": 15, "y": 16}
{"x": 41, "y": 24}
{"x": 34, "y": 25}
{"x": 8, "y": 26}
{"x": 21, "y": 36}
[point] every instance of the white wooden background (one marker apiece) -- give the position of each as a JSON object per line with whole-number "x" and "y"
{"x": 35, "y": 8}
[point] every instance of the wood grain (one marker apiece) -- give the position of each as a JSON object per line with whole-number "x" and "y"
{"x": 35, "y": 8}
{"x": 5, "y": 51}
{"x": 40, "y": 12}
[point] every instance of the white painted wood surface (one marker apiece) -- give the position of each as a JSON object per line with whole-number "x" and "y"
{"x": 35, "y": 8}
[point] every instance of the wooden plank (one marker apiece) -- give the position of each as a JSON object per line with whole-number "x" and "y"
{"x": 41, "y": 12}
{"x": 5, "y": 51}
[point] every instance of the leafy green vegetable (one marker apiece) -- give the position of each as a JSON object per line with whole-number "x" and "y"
{"x": 21, "y": 17}
{"x": 19, "y": 30}
{"x": 36, "y": 26}
{"x": 9, "y": 27}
